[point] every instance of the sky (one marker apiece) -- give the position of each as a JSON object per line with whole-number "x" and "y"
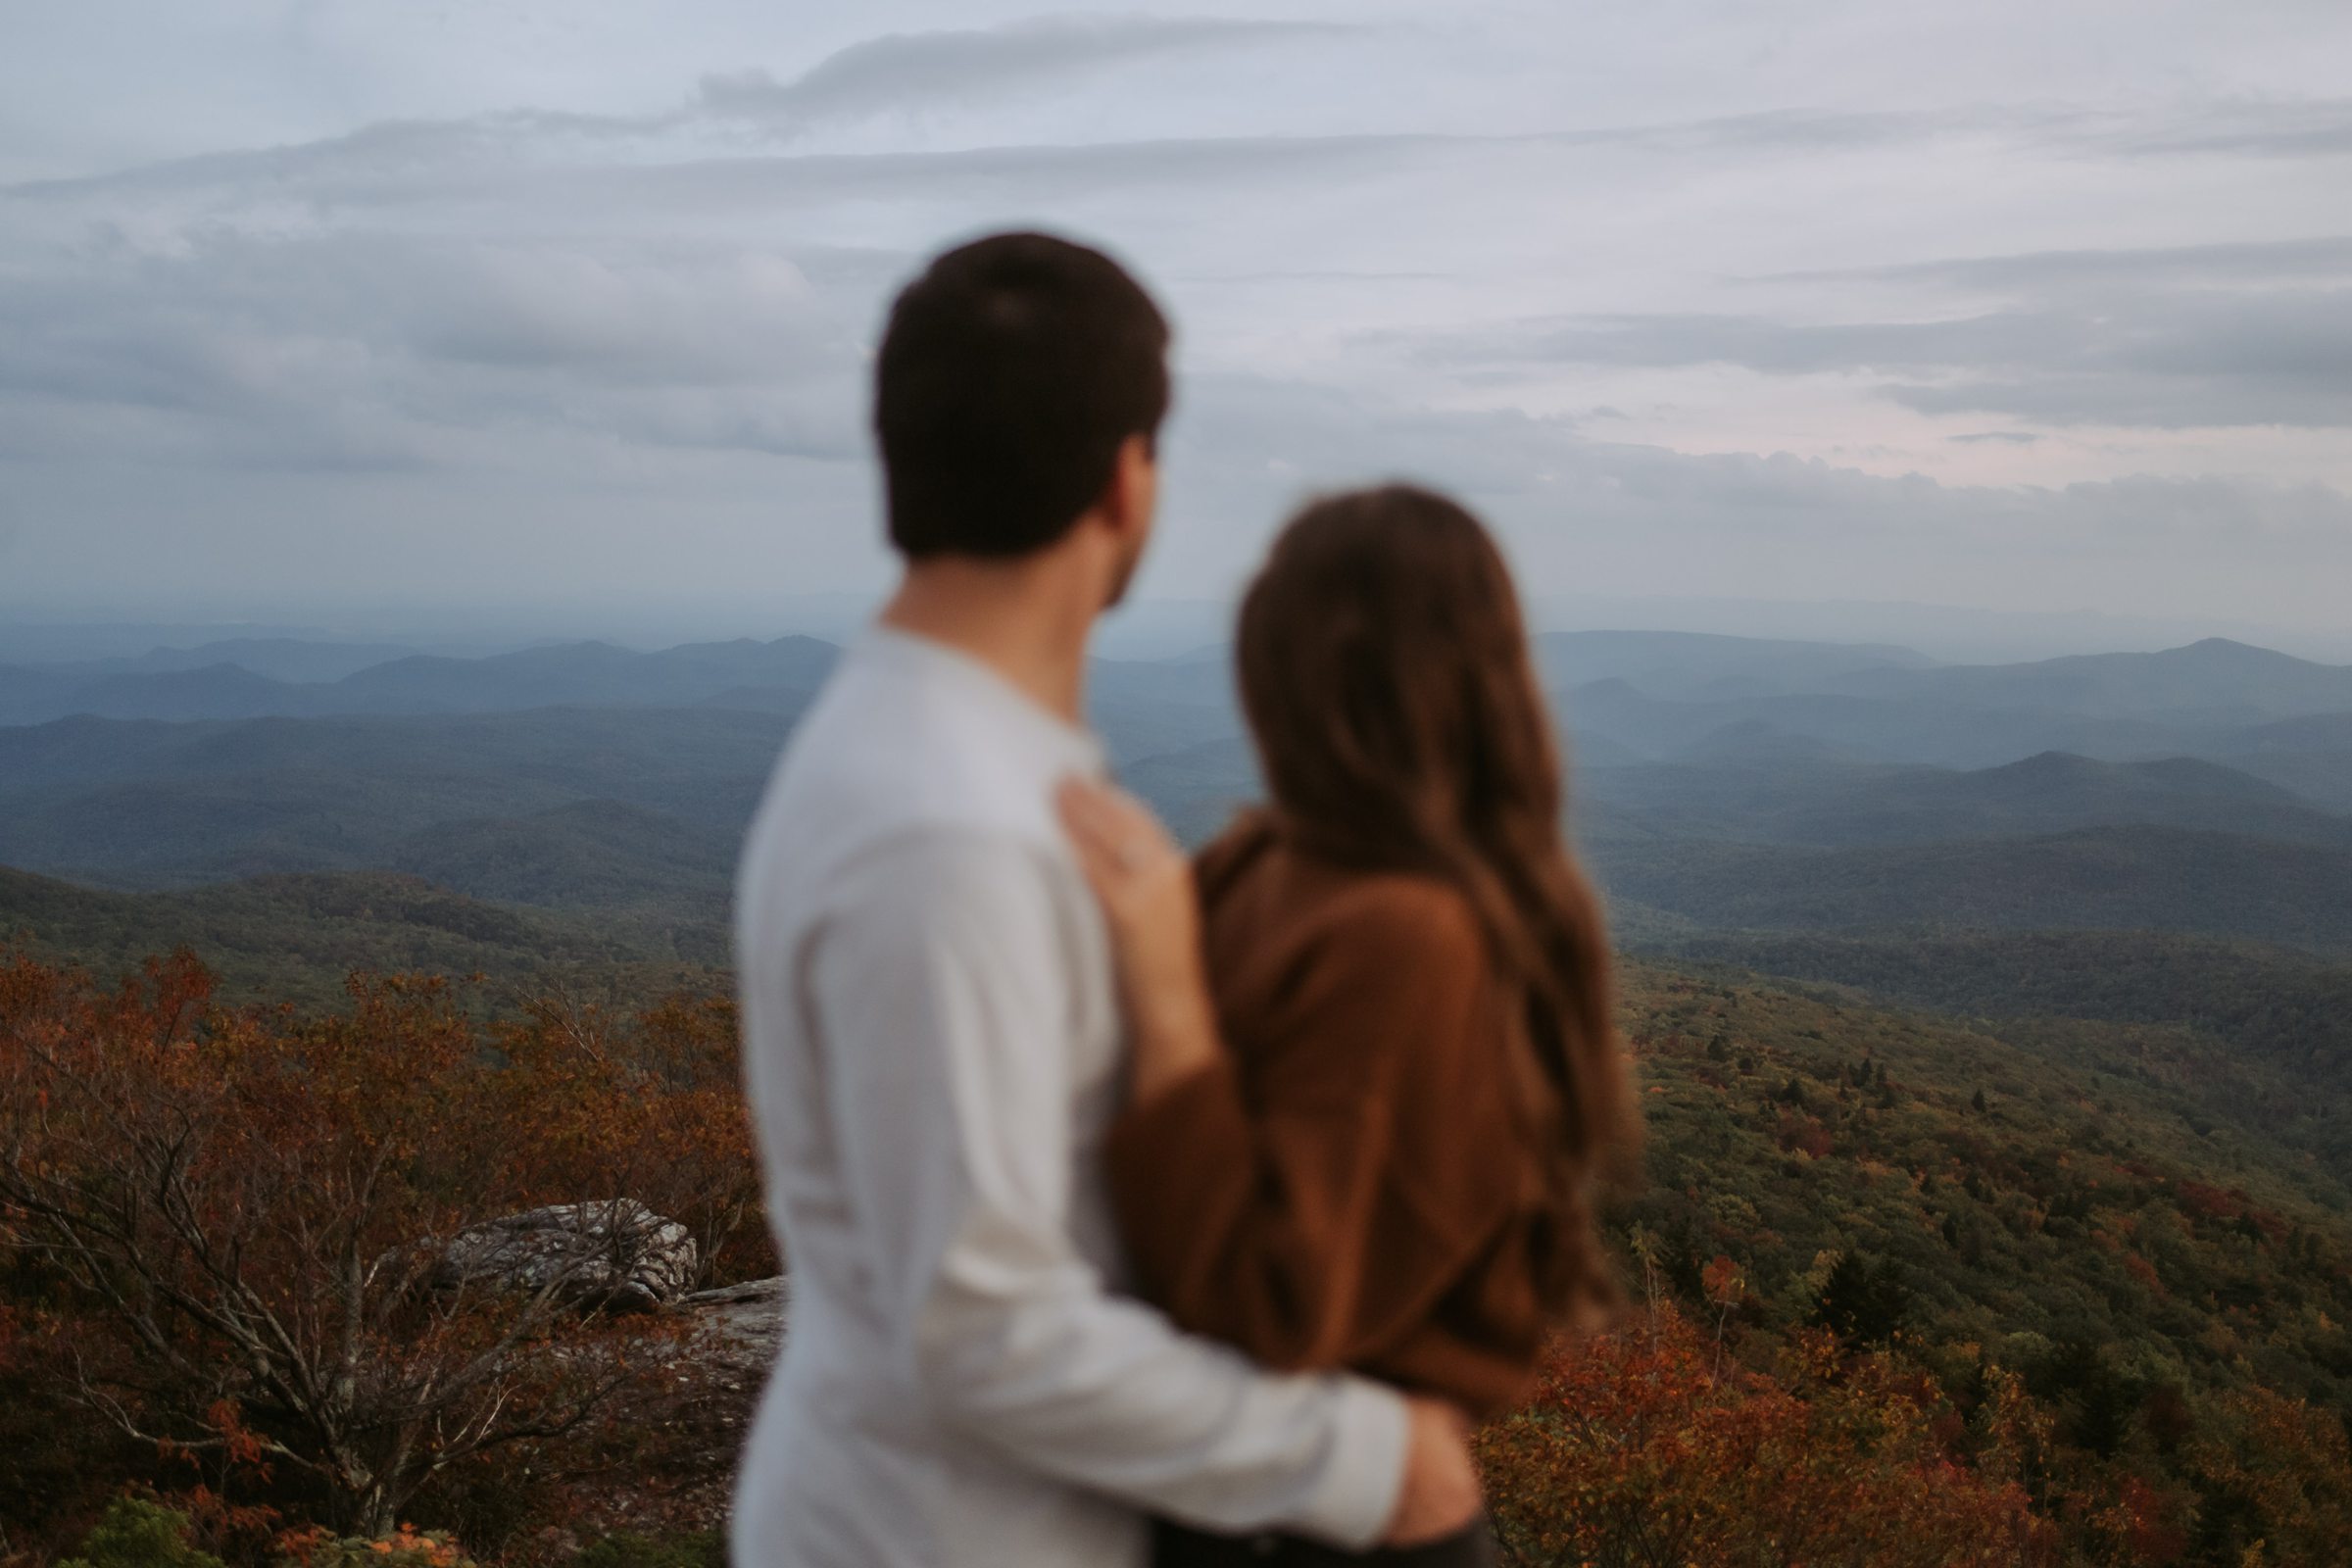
{"x": 326, "y": 311}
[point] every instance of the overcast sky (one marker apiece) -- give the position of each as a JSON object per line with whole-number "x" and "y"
{"x": 306, "y": 307}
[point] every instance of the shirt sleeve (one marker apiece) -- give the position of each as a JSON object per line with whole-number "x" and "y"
{"x": 1256, "y": 1214}
{"x": 943, "y": 986}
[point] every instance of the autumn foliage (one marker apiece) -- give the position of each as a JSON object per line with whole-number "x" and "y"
{"x": 1647, "y": 1447}
{"x": 222, "y": 1233}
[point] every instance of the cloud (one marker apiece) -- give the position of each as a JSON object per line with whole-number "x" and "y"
{"x": 2317, "y": 259}
{"x": 500, "y": 177}
{"x": 698, "y": 152}
{"x": 1281, "y": 437}
{"x": 920, "y": 70}
{"x": 908, "y": 73}
{"x": 381, "y": 350}
{"x": 2278, "y": 130}
{"x": 1405, "y": 244}
{"x": 2292, "y": 129}
{"x": 2179, "y": 338}
{"x": 560, "y": 162}
{"x": 1616, "y": 517}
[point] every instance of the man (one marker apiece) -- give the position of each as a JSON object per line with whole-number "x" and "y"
{"x": 931, "y": 1031}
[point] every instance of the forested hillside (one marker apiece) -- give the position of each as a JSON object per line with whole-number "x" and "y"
{"x": 1997, "y": 1234}
{"x": 295, "y": 938}
{"x": 2263, "y": 1003}
{"x": 2068, "y": 1242}
{"x": 2160, "y": 879}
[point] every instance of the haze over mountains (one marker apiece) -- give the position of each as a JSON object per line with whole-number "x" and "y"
{"x": 1658, "y": 693}
{"x": 1722, "y": 783}
{"x": 278, "y": 679}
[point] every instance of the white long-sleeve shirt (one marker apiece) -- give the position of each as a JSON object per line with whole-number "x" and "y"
{"x": 933, "y": 1048}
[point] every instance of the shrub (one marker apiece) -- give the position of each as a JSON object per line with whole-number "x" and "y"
{"x": 706, "y": 1548}
{"x": 405, "y": 1548}
{"x": 136, "y": 1533}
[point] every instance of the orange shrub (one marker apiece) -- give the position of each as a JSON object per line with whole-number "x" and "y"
{"x": 1640, "y": 1449}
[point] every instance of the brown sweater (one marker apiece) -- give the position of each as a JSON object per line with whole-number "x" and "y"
{"x": 1348, "y": 1187}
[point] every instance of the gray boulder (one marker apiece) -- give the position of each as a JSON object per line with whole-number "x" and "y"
{"x": 616, "y": 1255}
{"x": 739, "y": 1329}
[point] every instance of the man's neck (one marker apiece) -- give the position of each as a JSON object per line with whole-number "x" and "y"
{"x": 1022, "y": 622}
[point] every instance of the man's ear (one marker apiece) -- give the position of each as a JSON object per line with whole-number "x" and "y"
{"x": 1133, "y": 494}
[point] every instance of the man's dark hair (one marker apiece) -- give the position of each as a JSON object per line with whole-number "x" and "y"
{"x": 1012, "y": 372}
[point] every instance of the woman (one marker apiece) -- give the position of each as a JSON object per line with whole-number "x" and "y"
{"x": 1375, "y": 1072}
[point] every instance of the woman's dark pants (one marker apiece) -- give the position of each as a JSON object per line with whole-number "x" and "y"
{"x": 1175, "y": 1547}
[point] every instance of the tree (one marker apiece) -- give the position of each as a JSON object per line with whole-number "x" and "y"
{"x": 255, "y": 1215}
{"x": 2277, "y": 1471}
{"x": 2104, "y": 1406}
{"x": 1862, "y": 1303}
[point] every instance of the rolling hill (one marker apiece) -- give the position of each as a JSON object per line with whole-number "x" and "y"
{"x": 1804, "y": 797}
{"x": 1922, "y": 729}
{"x": 582, "y": 675}
{"x": 1698, "y": 666}
{"x": 145, "y": 805}
{"x": 573, "y": 674}
{"x": 2272, "y": 1002}
{"x": 1626, "y": 695}
{"x": 2214, "y": 699}
{"x": 593, "y": 854}
{"x": 2313, "y": 757}
{"x": 294, "y": 938}
{"x": 2216, "y": 680}
{"x": 2147, "y": 878}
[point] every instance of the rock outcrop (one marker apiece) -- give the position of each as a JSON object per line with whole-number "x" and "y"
{"x": 740, "y": 1328}
{"x": 616, "y": 1255}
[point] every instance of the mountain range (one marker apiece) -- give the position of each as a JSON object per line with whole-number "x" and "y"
{"x": 1720, "y": 783}
{"x": 2214, "y": 684}
{"x": 221, "y": 680}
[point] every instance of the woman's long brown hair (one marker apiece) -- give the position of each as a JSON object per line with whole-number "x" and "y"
{"x": 1385, "y": 668}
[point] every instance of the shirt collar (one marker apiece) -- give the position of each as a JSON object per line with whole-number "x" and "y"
{"x": 927, "y": 658}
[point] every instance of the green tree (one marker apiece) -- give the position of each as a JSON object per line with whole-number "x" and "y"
{"x": 1862, "y": 1303}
